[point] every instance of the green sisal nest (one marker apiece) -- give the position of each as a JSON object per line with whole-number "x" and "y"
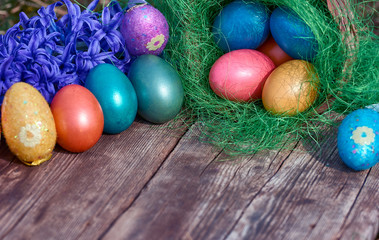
{"x": 347, "y": 65}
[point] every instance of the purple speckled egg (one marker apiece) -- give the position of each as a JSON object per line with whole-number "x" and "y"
{"x": 145, "y": 30}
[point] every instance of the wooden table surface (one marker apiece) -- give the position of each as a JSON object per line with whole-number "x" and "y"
{"x": 154, "y": 182}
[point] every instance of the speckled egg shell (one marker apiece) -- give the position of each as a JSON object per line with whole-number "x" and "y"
{"x": 28, "y": 124}
{"x": 291, "y": 88}
{"x": 358, "y": 139}
{"x": 241, "y": 25}
{"x": 145, "y": 30}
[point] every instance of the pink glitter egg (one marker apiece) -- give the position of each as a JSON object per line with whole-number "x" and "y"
{"x": 240, "y": 75}
{"x": 145, "y": 30}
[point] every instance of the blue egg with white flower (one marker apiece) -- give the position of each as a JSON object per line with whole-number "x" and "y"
{"x": 241, "y": 25}
{"x": 358, "y": 139}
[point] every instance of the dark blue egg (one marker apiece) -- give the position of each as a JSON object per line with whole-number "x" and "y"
{"x": 241, "y": 25}
{"x": 358, "y": 139}
{"x": 158, "y": 87}
{"x": 116, "y": 96}
{"x": 292, "y": 34}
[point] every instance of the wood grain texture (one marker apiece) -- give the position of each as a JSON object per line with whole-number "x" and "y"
{"x": 156, "y": 183}
{"x": 309, "y": 198}
{"x": 79, "y": 195}
{"x": 300, "y": 194}
{"x": 363, "y": 219}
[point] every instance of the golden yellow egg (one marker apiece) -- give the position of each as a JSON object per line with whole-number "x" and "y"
{"x": 28, "y": 124}
{"x": 291, "y": 88}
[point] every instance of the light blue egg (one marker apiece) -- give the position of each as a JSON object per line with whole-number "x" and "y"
{"x": 116, "y": 96}
{"x": 358, "y": 139}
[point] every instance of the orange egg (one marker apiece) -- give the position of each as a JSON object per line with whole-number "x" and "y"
{"x": 291, "y": 88}
{"x": 274, "y": 52}
{"x": 78, "y": 116}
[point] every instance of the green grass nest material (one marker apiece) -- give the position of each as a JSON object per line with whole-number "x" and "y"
{"x": 347, "y": 65}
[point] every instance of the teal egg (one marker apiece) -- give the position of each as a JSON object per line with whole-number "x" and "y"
{"x": 116, "y": 96}
{"x": 158, "y": 87}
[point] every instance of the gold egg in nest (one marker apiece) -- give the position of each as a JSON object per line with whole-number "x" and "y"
{"x": 291, "y": 88}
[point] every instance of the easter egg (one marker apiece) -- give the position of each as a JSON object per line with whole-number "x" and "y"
{"x": 241, "y": 25}
{"x": 28, "y": 124}
{"x": 292, "y": 34}
{"x": 291, "y": 88}
{"x": 158, "y": 87}
{"x": 145, "y": 30}
{"x": 240, "y": 75}
{"x": 78, "y": 118}
{"x": 272, "y": 50}
{"x": 358, "y": 139}
{"x": 374, "y": 107}
{"x": 116, "y": 96}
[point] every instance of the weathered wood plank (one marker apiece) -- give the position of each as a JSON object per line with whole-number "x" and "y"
{"x": 363, "y": 221}
{"x": 143, "y": 184}
{"x": 304, "y": 194}
{"x": 6, "y": 155}
{"x": 79, "y": 195}
{"x": 310, "y": 198}
{"x": 196, "y": 195}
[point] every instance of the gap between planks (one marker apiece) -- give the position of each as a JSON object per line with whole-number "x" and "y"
{"x": 161, "y": 214}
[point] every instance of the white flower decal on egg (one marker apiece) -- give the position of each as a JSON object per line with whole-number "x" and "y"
{"x": 363, "y": 135}
{"x": 156, "y": 42}
{"x": 30, "y": 135}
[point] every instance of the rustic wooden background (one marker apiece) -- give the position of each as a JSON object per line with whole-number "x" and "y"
{"x": 161, "y": 182}
{"x": 156, "y": 182}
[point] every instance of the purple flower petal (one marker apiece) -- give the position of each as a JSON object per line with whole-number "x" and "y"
{"x": 132, "y": 3}
{"x": 114, "y": 8}
{"x": 106, "y": 16}
{"x": 91, "y": 6}
{"x": 115, "y": 22}
{"x": 50, "y": 53}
